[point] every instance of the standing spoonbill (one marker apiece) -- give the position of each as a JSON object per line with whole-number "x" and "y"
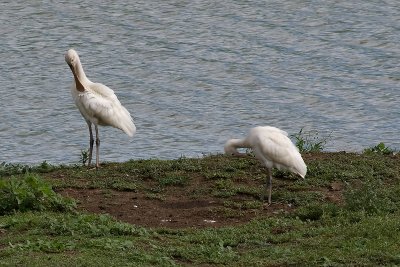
{"x": 97, "y": 103}
{"x": 273, "y": 148}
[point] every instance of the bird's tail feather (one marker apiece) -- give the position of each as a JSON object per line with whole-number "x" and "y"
{"x": 125, "y": 123}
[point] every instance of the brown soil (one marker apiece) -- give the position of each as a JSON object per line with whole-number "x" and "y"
{"x": 178, "y": 210}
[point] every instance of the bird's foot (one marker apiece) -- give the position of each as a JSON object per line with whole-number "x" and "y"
{"x": 92, "y": 167}
{"x": 266, "y": 205}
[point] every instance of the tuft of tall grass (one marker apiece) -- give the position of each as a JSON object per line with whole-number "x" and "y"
{"x": 84, "y": 156}
{"x": 7, "y": 169}
{"x": 30, "y": 193}
{"x": 309, "y": 141}
{"x": 380, "y": 148}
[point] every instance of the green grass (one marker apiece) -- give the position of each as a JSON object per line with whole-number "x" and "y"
{"x": 362, "y": 229}
{"x": 48, "y": 239}
{"x": 30, "y": 193}
{"x": 380, "y": 148}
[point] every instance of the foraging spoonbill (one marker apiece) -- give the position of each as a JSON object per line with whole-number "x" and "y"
{"x": 97, "y": 103}
{"x": 273, "y": 148}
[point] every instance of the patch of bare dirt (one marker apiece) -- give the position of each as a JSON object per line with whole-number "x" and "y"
{"x": 138, "y": 209}
{"x": 176, "y": 209}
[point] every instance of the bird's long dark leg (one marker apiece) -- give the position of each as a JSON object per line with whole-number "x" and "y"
{"x": 268, "y": 186}
{"x": 91, "y": 141}
{"x": 97, "y": 146}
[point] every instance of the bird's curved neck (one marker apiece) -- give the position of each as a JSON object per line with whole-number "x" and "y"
{"x": 234, "y": 144}
{"x": 79, "y": 72}
{"x": 80, "y": 77}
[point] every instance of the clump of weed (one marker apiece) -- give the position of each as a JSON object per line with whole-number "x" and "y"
{"x": 380, "y": 148}
{"x": 12, "y": 168}
{"x": 310, "y": 213}
{"x": 309, "y": 141}
{"x": 123, "y": 185}
{"x": 317, "y": 211}
{"x": 43, "y": 167}
{"x": 7, "y": 169}
{"x": 155, "y": 196}
{"x": 84, "y": 156}
{"x": 30, "y": 193}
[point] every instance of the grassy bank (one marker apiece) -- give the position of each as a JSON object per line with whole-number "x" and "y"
{"x": 206, "y": 212}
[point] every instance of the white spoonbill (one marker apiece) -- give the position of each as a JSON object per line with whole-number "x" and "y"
{"x": 97, "y": 103}
{"x": 273, "y": 148}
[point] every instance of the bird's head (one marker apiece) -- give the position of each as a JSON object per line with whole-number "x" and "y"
{"x": 230, "y": 148}
{"x": 72, "y": 59}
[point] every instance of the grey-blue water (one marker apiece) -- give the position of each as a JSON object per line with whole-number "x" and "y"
{"x": 195, "y": 73}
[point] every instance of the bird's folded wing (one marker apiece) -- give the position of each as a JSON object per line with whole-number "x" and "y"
{"x": 279, "y": 149}
{"x": 100, "y": 108}
{"x": 102, "y": 90}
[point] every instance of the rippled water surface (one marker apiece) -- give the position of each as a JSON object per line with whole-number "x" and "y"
{"x": 195, "y": 73}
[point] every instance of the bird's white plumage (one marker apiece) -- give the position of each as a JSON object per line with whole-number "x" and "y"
{"x": 96, "y": 102}
{"x": 272, "y": 147}
{"x": 101, "y": 106}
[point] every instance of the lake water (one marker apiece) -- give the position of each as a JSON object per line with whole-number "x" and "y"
{"x": 195, "y": 73}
